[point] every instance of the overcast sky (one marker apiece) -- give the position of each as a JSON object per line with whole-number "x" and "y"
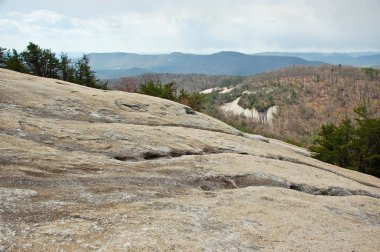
{"x": 194, "y": 26}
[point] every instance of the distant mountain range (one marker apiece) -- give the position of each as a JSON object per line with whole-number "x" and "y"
{"x": 115, "y": 65}
{"x": 364, "y": 59}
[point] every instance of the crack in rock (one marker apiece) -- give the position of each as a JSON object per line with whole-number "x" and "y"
{"x": 152, "y": 155}
{"x": 260, "y": 179}
{"x": 297, "y": 161}
{"x": 190, "y": 111}
{"x": 135, "y": 106}
{"x": 331, "y": 191}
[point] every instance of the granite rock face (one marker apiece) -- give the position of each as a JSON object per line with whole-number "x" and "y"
{"x": 91, "y": 170}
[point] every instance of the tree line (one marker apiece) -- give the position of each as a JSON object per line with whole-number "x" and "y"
{"x": 43, "y": 62}
{"x": 353, "y": 144}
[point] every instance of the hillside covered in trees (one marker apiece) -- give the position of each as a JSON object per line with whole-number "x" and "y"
{"x": 308, "y": 97}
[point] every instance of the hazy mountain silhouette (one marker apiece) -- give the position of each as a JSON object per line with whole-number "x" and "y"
{"x": 113, "y": 65}
{"x": 350, "y": 59}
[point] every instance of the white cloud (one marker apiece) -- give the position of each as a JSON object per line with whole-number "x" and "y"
{"x": 193, "y": 26}
{"x": 38, "y": 17}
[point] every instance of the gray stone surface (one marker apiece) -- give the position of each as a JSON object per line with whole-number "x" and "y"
{"x": 91, "y": 170}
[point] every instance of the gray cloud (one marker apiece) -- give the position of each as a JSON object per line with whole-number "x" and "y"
{"x": 192, "y": 26}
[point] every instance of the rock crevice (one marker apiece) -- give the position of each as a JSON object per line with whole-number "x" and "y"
{"x": 242, "y": 181}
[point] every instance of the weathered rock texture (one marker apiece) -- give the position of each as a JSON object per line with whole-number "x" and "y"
{"x": 84, "y": 169}
{"x": 234, "y": 109}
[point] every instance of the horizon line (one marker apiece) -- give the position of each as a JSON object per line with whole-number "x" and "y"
{"x": 227, "y": 51}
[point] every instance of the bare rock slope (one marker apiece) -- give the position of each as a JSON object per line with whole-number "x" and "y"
{"x": 84, "y": 169}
